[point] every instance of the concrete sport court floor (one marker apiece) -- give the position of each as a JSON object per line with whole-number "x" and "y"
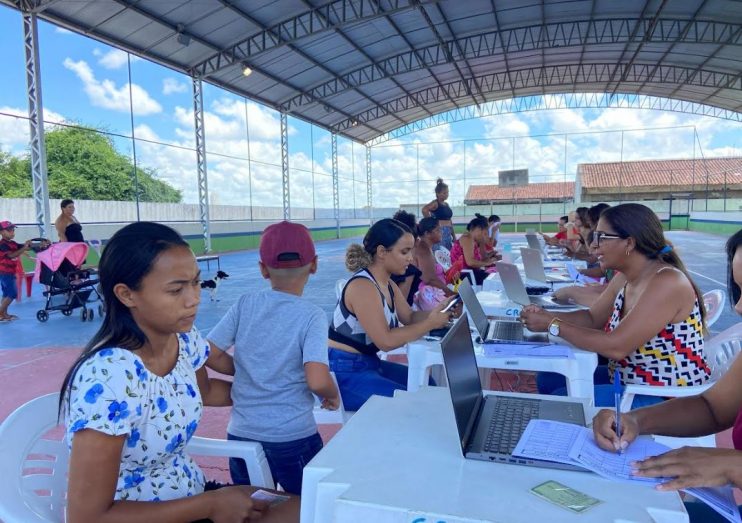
{"x": 34, "y": 356}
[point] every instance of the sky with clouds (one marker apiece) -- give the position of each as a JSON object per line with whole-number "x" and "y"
{"x": 87, "y": 83}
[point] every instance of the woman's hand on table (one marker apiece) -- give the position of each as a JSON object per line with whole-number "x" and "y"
{"x": 691, "y": 467}
{"x": 535, "y": 319}
{"x": 234, "y": 505}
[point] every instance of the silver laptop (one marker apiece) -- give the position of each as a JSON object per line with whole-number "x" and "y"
{"x": 533, "y": 242}
{"x": 534, "y": 267}
{"x": 516, "y": 289}
{"x": 490, "y": 426}
{"x": 494, "y": 331}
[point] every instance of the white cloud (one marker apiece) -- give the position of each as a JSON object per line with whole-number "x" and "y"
{"x": 14, "y": 132}
{"x": 105, "y": 94}
{"x": 172, "y": 85}
{"x": 62, "y": 31}
{"x": 113, "y": 59}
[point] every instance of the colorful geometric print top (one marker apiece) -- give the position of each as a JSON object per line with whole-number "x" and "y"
{"x": 112, "y": 392}
{"x": 674, "y": 357}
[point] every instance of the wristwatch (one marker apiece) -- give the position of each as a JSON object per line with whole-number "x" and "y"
{"x": 554, "y": 326}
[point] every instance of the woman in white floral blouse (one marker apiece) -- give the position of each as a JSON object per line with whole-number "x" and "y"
{"x": 134, "y": 397}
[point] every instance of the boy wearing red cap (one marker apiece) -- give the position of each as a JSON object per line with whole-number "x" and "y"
{"x": 10, "y": 251}
{"x": 280, "y": 359}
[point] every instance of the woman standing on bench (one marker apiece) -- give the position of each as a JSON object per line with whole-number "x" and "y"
{"x": 372, "y": 314}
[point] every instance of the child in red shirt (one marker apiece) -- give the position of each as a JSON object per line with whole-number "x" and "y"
{"x": 10, "y": 251}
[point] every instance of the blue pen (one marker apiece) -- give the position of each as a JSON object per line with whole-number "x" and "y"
{"x": 617, "y": 399}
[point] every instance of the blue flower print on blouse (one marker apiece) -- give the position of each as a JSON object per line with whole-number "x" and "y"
{"x": 118, "y": 411}
{"x": 174, "y": 443}
{"x": 133, "y": 438}
{"x": 105, "y": 352}
{"x": 141, "y": 371}
{"x": 162, "y": 404}
{"x": 91, "y": 396}
{"x": 190, "y": 429}
{"x": 134, "y": 479}
{"x": 78, "y": 425}
{"x": 191, "y": 392}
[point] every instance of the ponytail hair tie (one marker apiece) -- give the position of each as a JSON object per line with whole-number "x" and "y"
{"x": 664, "y": 250}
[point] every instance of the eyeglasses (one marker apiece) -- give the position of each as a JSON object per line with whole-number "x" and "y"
{"x": 599, "y": 235}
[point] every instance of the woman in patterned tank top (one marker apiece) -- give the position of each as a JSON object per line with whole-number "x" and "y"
{"x": 717, "y": 409}
{"x": 649, "y": 323}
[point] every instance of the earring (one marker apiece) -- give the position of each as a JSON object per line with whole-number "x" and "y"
{"x": 628, "y": 252}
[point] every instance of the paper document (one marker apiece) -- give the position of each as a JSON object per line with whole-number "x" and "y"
{"x": 548, "y": 440}
{"x": 568, "y": 443}
{"x": 537, "y": 350}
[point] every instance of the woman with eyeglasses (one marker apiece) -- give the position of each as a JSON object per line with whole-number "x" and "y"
{"x": 715, "y": 410}
{"x": 649, "y": 323}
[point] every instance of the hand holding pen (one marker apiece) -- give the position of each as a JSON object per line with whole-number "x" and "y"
{"x": 617, "y": 392}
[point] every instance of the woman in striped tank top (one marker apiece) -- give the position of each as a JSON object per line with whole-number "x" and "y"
{"x": 372, "y": 315}
{"x": 649, "y": 323}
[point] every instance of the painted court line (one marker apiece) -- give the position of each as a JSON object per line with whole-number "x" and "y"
{"x": 723, "y": 285}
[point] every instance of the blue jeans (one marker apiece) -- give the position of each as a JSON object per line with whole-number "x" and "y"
{"x": 286, "y": 460}
{"x": 360, "y": 377}
{"x": 556, "y": 385}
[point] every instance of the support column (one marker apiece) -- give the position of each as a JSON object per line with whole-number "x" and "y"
{"x": 335, "y": 187}
{"x": 203, "y": 185}
{"x": 369, "y": 188}
{"x": 36, "y": 125}
{"x": 285, "y": 166}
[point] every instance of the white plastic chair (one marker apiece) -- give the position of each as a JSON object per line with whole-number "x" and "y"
{"x": 331, "y": 417}
{"x": 720, "y": 352}
{"x": 443, "y": 257}
{"x": 34, "y": 468}
{"x": 714, "y": 302}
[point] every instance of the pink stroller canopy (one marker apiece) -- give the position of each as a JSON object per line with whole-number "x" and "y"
{"x": 58, "y": 252}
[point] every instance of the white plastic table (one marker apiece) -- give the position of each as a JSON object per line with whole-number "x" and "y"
{"x": 422, "y": 355}
{"x": 398, "y": 460}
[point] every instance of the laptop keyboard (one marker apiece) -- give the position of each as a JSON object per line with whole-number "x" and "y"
{"x": 506, "y": 330}
{"x": 508, "y": 422}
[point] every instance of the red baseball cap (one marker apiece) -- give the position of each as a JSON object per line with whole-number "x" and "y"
{"x": 6, "y": 225}
{"x": 286, "y": 245}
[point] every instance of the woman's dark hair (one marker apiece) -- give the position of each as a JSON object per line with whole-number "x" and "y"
{"x": 385, "y": 232}
{"x": 65, "y": 203}
{"x": 494, "y": 218}
{"x": 565, "y": 219}
{"x": 594, "y": 212}
{"x": 581, "y": 213}
{"x": 409, "y": 219}
{"x": 427, "y": 225}
{"x": 479, "y": 222}
{"x": 641, "y": 223}
{"x": 440, "y": 186}
{"x": 127, "y": 258}
{"x": 733, "y": 244}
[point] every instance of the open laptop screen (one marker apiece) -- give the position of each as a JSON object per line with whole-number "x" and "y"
{"x": 474, "y": 308}
{"x": 463, "y": 377}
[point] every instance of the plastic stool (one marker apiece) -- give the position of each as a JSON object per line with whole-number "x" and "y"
{"x": 19, "y": 283}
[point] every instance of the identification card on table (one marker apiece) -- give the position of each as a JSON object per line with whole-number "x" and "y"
{"x": 565, "y": 497}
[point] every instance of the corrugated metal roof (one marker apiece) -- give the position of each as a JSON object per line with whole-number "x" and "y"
{"x": 362, "y": 68}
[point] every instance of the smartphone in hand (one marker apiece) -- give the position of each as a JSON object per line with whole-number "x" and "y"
{"x": 456, "y": 299}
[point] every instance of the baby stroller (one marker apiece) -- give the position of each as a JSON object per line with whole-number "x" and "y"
{"x": 68, "y": 286}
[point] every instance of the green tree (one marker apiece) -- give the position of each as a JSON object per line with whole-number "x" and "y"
{"x": 83, "y": 164}
{"x": 15, "y": 177}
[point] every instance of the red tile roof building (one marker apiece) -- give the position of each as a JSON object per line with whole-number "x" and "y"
{"x": 645, "y": 179}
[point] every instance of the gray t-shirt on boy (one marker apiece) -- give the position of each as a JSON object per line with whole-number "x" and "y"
{"x": 274, "y": 334}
